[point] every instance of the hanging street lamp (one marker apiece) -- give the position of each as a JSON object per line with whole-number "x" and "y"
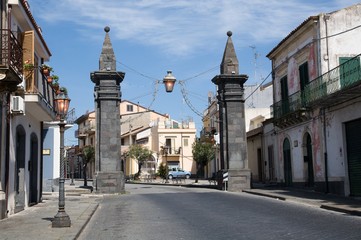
{"x": 169, "y": 81}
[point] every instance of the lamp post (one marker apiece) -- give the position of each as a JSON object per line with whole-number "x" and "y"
{"x": 61, "y": 219}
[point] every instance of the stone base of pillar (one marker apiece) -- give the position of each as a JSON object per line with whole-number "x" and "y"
{"x": 109, "y": 182}
{"x": 239, "y": 180}
{"x": 2, "y": 205}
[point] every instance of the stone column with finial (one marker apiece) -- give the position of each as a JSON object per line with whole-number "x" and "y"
{"x": 233, "y": 140}
{"x": 107, "y": 95}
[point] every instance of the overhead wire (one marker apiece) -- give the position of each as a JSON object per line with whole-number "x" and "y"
{"x": 180, "y": 82}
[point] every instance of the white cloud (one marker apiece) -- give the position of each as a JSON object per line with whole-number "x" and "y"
{"x": 179, "y": 27}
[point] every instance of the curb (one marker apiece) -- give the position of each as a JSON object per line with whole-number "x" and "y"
{"x": 265, "y": 195}
{"x": 341, "y": 210}
{"x": 87, "y": 221}
{"x": 322, "y": 206}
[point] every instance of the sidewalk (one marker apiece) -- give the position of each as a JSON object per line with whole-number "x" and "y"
{"x": 347, "y": 205}
{"x": 35, "y": 222}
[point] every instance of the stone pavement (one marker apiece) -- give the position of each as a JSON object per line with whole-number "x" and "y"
{"x": 80, "y": 204}
{"x": 35, "y": 222}
{"x": 347, "y": 205}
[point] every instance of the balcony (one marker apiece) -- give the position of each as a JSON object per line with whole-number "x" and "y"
{"x": 89, "y": 127}
{"x": 208, "y": 131}
{"x": 39, "y": 95}
{"x": 80, "y": 134}
{"x": 339, "y": 85}
{"x": 11, "y": 60}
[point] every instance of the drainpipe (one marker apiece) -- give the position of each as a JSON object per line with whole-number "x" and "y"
{"x": 325, "y": 151}
{"x": 7, "y": 150}
{"x": 326, "y": 18}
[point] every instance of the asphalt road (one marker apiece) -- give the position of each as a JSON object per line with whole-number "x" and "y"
{"x": 149, "y": 212}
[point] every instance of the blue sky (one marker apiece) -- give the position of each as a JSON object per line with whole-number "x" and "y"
{"x": 150, "y": 37}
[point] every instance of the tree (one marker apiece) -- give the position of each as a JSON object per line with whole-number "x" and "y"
{"x": 163, "y": 171}
{"x": 140, "y": 153}
{"x": 88, "y": 155}
{"x": 203, "y": 152}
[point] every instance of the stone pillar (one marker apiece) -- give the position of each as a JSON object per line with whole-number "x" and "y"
{"x": 233, "y": 139}
{"x": 108, "y": 176}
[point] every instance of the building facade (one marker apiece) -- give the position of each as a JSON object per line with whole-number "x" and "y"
{"x": 140, "y": 125}
{"x": 86, "y": 137}
{"x": 258, "y": 99}
{"x": 316, "y": 110}
{"x": 27, "y": 101}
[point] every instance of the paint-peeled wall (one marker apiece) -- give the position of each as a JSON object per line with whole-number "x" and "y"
{"x": 336, "y": 137}
{"x": 297, "y": 139}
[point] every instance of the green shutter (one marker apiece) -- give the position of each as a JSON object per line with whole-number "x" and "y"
{"x": 349, "y": 71}
{"x": 353, "y": 143}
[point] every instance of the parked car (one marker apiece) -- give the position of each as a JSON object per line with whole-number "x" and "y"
{"x": 178, "y": 173}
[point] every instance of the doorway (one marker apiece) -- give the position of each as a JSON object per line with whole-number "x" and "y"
{"x": 33, "y": 169}
{"x": 287, "y": 162}
{"x": 20, "y": 169}
{"x": 353, "y": 149}
{"x": 308, "y": 161}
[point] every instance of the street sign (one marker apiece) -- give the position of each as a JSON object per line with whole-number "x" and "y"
{"x": 225, "y": 177}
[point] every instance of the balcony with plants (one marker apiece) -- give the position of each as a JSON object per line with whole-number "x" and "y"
{"x": 334, "y": 87}
{"x": 41, "y": 88}
{"x": 11, "y": 59}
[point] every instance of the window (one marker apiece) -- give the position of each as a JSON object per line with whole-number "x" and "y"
{"x": 284, "y": 95}
{"x": 129, "y": 108}
{"x": 185, "y": 142}
{"x": 349, "y": 70}
{"x": 304, "y": 78}
{"x": 170, "y": 143}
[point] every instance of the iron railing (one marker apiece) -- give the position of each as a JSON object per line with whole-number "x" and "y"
{"x": 340, "y": 78}
{"x": 11, "y": 55}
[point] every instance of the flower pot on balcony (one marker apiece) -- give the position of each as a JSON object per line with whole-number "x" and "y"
{"x": 49, "y": 79}
{"x": 46, "y": 69}
{"x": 46, "y": 72}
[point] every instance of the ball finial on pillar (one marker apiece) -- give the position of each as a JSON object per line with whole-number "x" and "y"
{"x": 107, "y": 29}
{"x": 229, "y": 33}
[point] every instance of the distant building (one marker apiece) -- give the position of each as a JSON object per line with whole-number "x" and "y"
{"x": 140, "y": 125}
{"x": 258, "y": 99}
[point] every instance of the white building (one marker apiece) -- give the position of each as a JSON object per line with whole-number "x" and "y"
{"x": 154, "y": 130}
{"x": 140, "y": 125}
{"x": 316, "y": 112}
{"x": 23, "y": 109}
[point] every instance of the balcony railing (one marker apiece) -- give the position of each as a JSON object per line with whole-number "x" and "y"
{"x": 37, "y": 83}
{"x": 341, "y": 78}
{"x": 11, "y": 55}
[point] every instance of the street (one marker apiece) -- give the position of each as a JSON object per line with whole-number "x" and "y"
{"x": 170, "y": 212}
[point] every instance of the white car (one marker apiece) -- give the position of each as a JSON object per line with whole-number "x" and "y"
{"x": 179, "y": 173}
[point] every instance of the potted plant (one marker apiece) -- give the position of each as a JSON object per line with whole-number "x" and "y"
{"x": 49, "y": 79}
{"x": 46, "y": 69}
{"x": 55, "y": 83}
{"x": 64, "y": 90}
{"x": 28, "y": 66}
{"x": 55, "y": 78}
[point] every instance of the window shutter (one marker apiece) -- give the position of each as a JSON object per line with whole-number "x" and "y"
{"x": 28, "y": 56}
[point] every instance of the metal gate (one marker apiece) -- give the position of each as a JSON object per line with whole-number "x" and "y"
{"x": 353, "y": 143}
